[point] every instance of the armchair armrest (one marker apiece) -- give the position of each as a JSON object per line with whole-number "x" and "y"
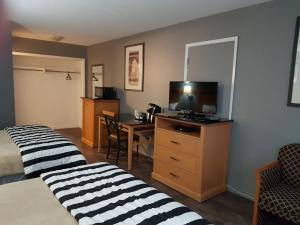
{"x": 268, "y": 176}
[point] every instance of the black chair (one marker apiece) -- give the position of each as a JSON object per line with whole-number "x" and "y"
{"x": 115, "y": 135}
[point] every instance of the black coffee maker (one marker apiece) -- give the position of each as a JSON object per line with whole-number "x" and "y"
{"x": 151, "y": 111}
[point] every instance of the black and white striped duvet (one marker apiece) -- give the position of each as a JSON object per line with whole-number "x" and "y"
{"x": 43, "y": 150}
{"x": 104, "y": 194}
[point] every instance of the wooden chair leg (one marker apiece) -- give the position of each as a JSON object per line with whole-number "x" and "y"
{"x": 261, "y": 217}
{"x": 137, "y": 151}
{"x": 108, "y": 149}
{"x": 118, "y": 152}
{"x": 255, "y": 213}
{"x": 257, "y": 192}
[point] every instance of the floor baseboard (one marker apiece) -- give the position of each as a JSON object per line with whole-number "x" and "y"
{"x": 235, "y": 191}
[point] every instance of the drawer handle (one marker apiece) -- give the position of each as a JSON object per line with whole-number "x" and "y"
{"x": 173, "y": 158}
{"x": 174, "y": 175}
{"x": 175, "y": 142}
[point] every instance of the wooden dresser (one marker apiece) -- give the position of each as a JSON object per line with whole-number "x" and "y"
{"x": 91, "y": 109}
{"x": 195, "y": 162}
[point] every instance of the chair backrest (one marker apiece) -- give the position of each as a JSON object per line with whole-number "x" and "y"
{"x": 289, "y": 159}
{"x": 108, "y": 113}
{"x": 111, "y": 123}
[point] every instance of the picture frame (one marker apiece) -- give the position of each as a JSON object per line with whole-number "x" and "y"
{"x": 293, "y": 92}
{"x": 134, "y": 57}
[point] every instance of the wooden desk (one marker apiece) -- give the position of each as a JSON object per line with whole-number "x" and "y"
{"x": 130, "y": 125}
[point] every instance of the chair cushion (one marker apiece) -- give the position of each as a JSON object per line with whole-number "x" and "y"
{"x": 123, "y": 136}
{"x": 283, "y": 201}
{"x": 289, "y": 159}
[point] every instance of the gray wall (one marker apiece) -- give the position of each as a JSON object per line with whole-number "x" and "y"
{"x": 263, "y": 122}
{"x": 7, "y": 115}
{"x": 214, "y": 63}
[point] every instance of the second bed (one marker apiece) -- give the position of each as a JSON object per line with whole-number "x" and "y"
{"x": 27, "y": 151}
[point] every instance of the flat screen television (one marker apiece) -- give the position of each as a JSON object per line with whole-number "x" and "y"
{"x": 196, "y": 97}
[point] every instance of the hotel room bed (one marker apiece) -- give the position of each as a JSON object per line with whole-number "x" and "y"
{"x": 38, "y": 206}
{"x": 11, "y": 165}
{"x": 98, "y": 193}
{"x": 27, "y": 151}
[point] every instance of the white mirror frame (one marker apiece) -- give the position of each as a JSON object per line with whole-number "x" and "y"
{"x": 216, "y": 41}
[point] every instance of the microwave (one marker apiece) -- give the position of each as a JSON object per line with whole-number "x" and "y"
{"x": 105, "y": 92}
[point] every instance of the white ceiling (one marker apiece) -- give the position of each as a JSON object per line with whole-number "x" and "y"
{"x": 87, "y": 22}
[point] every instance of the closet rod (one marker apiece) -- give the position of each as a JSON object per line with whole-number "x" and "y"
{"x": 44, "y": 70}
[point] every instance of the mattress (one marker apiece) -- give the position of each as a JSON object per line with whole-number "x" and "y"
{"x": 10, "y": 157}
{"x": 129, "y": 201}
{"x": 43, "y": 150}
{"x": 38, "y": 205}
{"x": 102, "y": 193}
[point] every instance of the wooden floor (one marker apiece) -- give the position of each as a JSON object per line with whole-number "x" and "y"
{"x": 225, "y": 209}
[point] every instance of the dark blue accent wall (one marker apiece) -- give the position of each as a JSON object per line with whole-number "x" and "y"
{"x": 7, "y": 108}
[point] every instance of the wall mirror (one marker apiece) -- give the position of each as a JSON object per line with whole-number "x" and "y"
{"x": 214, "y": 60}
{"x": 294, "y": 89}
{"x": 97, "y": 74}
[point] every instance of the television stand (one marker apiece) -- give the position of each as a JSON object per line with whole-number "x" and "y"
{"x": 184, "y": 128}
{"x": 193, "y": 161}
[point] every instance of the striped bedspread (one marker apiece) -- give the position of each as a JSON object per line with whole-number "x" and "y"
{"x": 43, "y": 150}
{"x": 104, "y": 194}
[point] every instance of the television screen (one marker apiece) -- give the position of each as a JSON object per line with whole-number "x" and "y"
{"x": 199, "y": 97}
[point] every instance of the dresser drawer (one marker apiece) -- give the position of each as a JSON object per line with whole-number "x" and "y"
{"x": 178, "y": 176}
{"x": 179, "y": 142}
{"x": 177, "y": 158}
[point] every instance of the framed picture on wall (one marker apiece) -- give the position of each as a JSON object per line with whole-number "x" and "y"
{"x": 134, "y": 67}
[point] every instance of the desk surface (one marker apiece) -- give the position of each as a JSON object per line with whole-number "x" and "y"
{"x": 128, "y": 119}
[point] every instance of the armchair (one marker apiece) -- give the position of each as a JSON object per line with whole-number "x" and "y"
{"x": 278, "y": 187}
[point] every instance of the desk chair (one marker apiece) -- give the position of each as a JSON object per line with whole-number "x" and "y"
{"x": 115, "y": 134}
